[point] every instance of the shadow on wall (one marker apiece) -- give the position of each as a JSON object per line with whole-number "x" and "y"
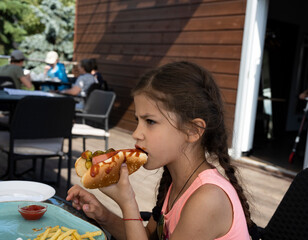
{"x": 133, "y": 37}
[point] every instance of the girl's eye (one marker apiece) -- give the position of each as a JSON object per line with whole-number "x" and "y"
{"x": 150, "y": 122}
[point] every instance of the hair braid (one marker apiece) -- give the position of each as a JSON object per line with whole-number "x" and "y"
{"x": 215, "y": 139}
{"x": 164, "y": 184}
{"x": 230, "y": 173}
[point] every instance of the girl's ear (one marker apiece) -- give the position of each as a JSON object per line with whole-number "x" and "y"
{"x": 196, "y": 130}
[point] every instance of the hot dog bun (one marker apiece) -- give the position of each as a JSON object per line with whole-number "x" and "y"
{"x": 107, "y": 172}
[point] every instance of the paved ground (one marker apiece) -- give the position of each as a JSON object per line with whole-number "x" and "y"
{"x": 264, "y": 185}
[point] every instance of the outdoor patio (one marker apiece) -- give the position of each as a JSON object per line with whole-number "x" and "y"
{"x": 264, "y": 187}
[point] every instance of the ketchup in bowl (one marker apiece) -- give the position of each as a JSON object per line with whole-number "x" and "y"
{"x": 32, "y": 211}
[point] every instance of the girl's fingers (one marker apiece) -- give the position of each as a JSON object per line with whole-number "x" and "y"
{"x": 73, "y": 192}
{"x": 76, "y": 205}
{"x": 123, "y": 173}
{"x": 86, "y": 208}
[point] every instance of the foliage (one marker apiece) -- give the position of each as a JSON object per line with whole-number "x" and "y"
{"x": 11, "y": 30}
{"x": 29, "y": 21}
{"x": 58, "y": 21}
{"x": 68, "y": 2}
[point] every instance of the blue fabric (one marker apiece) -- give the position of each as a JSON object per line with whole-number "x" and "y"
{"x": 58, "y": 72}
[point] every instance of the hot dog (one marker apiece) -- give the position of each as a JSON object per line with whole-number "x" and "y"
{"x": 102, "y": 169}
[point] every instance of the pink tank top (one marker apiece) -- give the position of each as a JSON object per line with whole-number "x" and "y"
{"x": 238, "y": 230}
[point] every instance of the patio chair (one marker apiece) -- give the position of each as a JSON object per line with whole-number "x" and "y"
{"x": 290, "y": 220}
{"x": 95, "y": 117}
{"x": 82, "y": 100}
{"x": 37, "y": 130}
{"x": 6, "y": 82}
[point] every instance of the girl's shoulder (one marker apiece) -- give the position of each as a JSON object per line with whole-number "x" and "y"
{"x": 213, "y": 187}
{"x": 208, "y": 210}
{"x": 211, "y": 194}
{"x": 213, "y": 176}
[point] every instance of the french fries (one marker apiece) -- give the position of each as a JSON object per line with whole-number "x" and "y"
{"x": 64, "y": 233}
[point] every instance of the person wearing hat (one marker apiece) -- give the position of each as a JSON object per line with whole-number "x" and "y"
{"x": 55, "y": 69}
{"x": 14, "y": 70}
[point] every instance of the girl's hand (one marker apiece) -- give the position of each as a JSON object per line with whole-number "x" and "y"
{"x": 82, "y": 199}
{"x": 122, "y": 192}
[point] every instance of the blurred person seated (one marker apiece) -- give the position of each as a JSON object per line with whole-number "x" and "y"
{"x": 54, "y": 70}
{"x": 84, "y": 80}
{"x": 15, "y": 70}
{"x": 97, "y": 75}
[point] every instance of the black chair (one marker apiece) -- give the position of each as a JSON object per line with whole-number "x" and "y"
{"x": 81, "y": 100}
{"x": 37, "y": 130}
{"x": 95, "y": 117}
{"x": 93, "y": 86}
{"x": 6, "y": 82}
{"x": 290, "y": 220}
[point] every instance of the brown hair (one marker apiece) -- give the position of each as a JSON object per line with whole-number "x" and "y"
{"x": 86, "y": 64}
{"x": 191, "y": 92}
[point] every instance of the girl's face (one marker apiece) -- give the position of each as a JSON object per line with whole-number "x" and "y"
{"x": 157, "y": 134}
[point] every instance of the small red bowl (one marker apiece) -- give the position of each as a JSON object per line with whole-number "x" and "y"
{"x": 32, "y": 211}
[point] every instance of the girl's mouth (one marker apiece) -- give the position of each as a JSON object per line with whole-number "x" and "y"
{"x": 141, "y": 149}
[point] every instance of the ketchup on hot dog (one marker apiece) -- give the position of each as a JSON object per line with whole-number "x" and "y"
{"x": 102, "y": 169}
{"x": 105, "y": 156}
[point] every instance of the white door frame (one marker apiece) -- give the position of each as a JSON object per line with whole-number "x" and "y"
{"x": 249, "y": 76}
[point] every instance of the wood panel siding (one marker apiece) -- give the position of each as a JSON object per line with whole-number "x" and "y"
{"x": 129, "y": 37}
{"x": 163, "y": 26}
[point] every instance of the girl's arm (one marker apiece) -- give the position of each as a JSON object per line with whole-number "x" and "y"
{"x": 123, "y": 194}
{"x": 93, "y": 208}
{"x": 134, "y": 228}
{"x": 207, "y": 215}
{"x": 117, "y": 227}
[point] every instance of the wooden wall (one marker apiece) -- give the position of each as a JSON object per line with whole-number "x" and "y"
{"x": 130, "y": 36}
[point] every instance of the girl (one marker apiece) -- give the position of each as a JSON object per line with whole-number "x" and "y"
{"x": 181, "y": 126}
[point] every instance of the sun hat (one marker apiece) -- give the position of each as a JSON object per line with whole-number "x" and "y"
{"x": 51, "y": 57}
{"x": 18, "y": 55}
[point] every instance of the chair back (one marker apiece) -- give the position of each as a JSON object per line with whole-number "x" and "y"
{"x": 43, "y": 117}
{"x": 99, "y": 103}
{"x": 92, "y": 87}
{"x": 290, "y": 220}
{"x": 6, "y": 82}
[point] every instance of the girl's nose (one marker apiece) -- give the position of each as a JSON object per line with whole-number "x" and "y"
{"x": 137, "y": 134}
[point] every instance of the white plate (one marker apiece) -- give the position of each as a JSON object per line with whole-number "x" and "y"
{"x": 25, "y": 191}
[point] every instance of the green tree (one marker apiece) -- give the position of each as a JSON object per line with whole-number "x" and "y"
{"x": 58, "y": 21}
{"x": 29, "y": 21}
{"x": 11, "y": 30}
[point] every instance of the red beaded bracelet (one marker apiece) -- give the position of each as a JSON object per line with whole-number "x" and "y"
{"x": 132, "y": 219}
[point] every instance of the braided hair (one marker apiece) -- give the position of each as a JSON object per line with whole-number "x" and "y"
{"x": 191, "y": 92}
